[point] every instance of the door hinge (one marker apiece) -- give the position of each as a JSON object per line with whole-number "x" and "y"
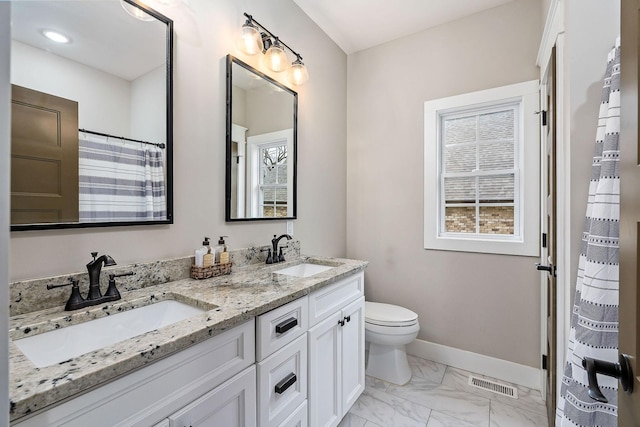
{"x": 544, "y": 361}
{"x": 543, "y": 116}
{"x": 544, "y": 240}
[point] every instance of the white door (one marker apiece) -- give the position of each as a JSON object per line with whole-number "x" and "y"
{"x": 548, "y": 250}
{"x": 325, "y": 370}
{"x": 352, "y": 353}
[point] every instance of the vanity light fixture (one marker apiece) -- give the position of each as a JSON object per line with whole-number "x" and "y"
{"x": 255, "y": 38}
{"x": 135, "y": 11}
{"x": 55, "y": 36}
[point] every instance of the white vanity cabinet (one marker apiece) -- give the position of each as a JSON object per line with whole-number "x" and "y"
{"x": 169, "y": 387}
{"x": 299, "y": 365}
{"x": 336, "y": 350}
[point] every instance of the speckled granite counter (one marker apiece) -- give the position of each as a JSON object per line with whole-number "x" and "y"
{"x": 230, "y": 300}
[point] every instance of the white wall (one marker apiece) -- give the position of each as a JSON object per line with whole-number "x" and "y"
{"x": 205, "y": 33}
{"x": 103, "y": 99}
{"x": 5, "y": 96}
{"x": 486, "y": 304}
{"x": 148, "y": 106}
{"x": 268, "y": 110}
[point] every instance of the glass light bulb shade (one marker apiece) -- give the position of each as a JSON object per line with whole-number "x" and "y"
{"x": 250, "y": 40}
{"x": 136, "y": 12}
{"x": 298, "y": 73}
{"x": 276, "y": 59}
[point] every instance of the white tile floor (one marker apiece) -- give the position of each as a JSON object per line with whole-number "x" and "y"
{"x": 439, "y": 396}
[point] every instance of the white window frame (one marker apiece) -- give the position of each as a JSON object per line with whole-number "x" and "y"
{"x": 526, "y": 237}
{"x": 254, "y": 144}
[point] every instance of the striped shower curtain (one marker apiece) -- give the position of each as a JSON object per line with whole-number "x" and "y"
{"x": 120, "y": 181}
{"x": 594, "y": 319}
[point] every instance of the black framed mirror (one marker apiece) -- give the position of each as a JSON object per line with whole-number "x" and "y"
{"x": 92, "y": 115}
{"x": 261, "y": 164}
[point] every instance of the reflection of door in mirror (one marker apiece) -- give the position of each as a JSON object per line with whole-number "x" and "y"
{"x": 269, "y": 191}
{"x": 238, "y": 169}
{"x": 44, "y": 157}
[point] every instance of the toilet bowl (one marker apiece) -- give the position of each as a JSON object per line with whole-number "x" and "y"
{"x": 388, "y": 328}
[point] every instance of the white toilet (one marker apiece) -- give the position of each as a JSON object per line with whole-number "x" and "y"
{"x": 387, "y": 329}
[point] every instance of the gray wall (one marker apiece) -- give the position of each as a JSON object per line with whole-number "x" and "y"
{"x": 487, "y": 304}
{"x": 5, "y": 91}
{"x": 205, "y": 33}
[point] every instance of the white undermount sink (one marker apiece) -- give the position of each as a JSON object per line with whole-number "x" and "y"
{"x": 304, "y": 270}
{"x": 65, "y": 343}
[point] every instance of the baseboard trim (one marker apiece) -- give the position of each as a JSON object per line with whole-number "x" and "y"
{"x": 477, "y": 363}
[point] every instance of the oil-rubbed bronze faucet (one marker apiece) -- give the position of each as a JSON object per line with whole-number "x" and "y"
{"x": 276, "y": 258}
{"x": 94, "y": 296}
{"x": 94, "y": 267}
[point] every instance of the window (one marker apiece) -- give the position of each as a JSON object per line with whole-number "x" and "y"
{"x": 269, "y": 192}
{"x": 273, "y": 180}
{"x": 481, "y": 171}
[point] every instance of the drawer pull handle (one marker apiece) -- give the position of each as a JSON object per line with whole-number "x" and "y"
{"x": 347, "y": 318}
{"x": 287, "y": 382}
{"x": 341, "y": 322}
{"x": 285, "y": 325}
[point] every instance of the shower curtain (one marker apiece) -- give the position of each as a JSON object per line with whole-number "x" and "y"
{"x": 120, "y": 181}
{"x": 594, "y": 318}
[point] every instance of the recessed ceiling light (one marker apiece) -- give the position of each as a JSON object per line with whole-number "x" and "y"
{"x": 55, "y": 36}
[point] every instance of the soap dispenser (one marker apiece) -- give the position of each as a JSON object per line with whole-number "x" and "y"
{"x": 224, "y": 255}
{"x": 209, "y": 258}
{"x": 219, "y": 248}
{"x": 201, "y": 252}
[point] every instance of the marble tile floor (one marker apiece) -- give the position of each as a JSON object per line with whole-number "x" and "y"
{"x": 439, "y": 396}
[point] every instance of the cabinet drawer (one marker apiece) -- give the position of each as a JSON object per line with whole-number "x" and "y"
{"x": 282, "y": 383}
{"x": 326, "y": 301}
{"x": 298, "y": 419}
{"x": 280, "y": 326}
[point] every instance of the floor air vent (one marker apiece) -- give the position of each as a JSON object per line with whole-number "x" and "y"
{"x": 494, "y": 387}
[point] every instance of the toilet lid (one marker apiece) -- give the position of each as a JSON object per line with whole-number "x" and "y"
{"x": 388, "y": 314}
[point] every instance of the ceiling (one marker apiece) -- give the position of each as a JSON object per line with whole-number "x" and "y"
{"x": 360, "y": 24}
{"x": 103, "y": 35}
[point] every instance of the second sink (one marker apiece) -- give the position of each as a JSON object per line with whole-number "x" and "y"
{"x": 304, "y": 270}
{"x": 65, "y": 343}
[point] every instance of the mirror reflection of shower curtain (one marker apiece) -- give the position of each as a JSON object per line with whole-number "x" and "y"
{"x": 594, "y": 320}
{"x": 120, "y": 181}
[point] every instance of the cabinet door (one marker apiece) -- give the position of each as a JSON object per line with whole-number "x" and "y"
{"x": 232, "y": 404}
{"x": 325, "y": 370}
{"x": 352, "y": 353}
{"x": 299, "y": 418}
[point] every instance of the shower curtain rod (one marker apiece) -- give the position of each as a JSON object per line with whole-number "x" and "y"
{"x": 161, "y": 145}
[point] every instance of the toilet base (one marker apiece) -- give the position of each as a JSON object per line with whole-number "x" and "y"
{"x": 388, "y": 363}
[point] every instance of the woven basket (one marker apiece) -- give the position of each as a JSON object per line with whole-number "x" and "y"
{"x": 212, "y": 271}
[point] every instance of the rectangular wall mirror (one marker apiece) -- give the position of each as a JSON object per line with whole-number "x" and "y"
{"x": 91, "y": 126}
{"x": 261, "y": 165}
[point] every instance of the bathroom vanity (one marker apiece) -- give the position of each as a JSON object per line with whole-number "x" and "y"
{"x": 268, "y": 349}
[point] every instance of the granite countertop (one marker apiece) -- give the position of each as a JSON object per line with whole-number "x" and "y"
{"x": 230, "y": 300}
